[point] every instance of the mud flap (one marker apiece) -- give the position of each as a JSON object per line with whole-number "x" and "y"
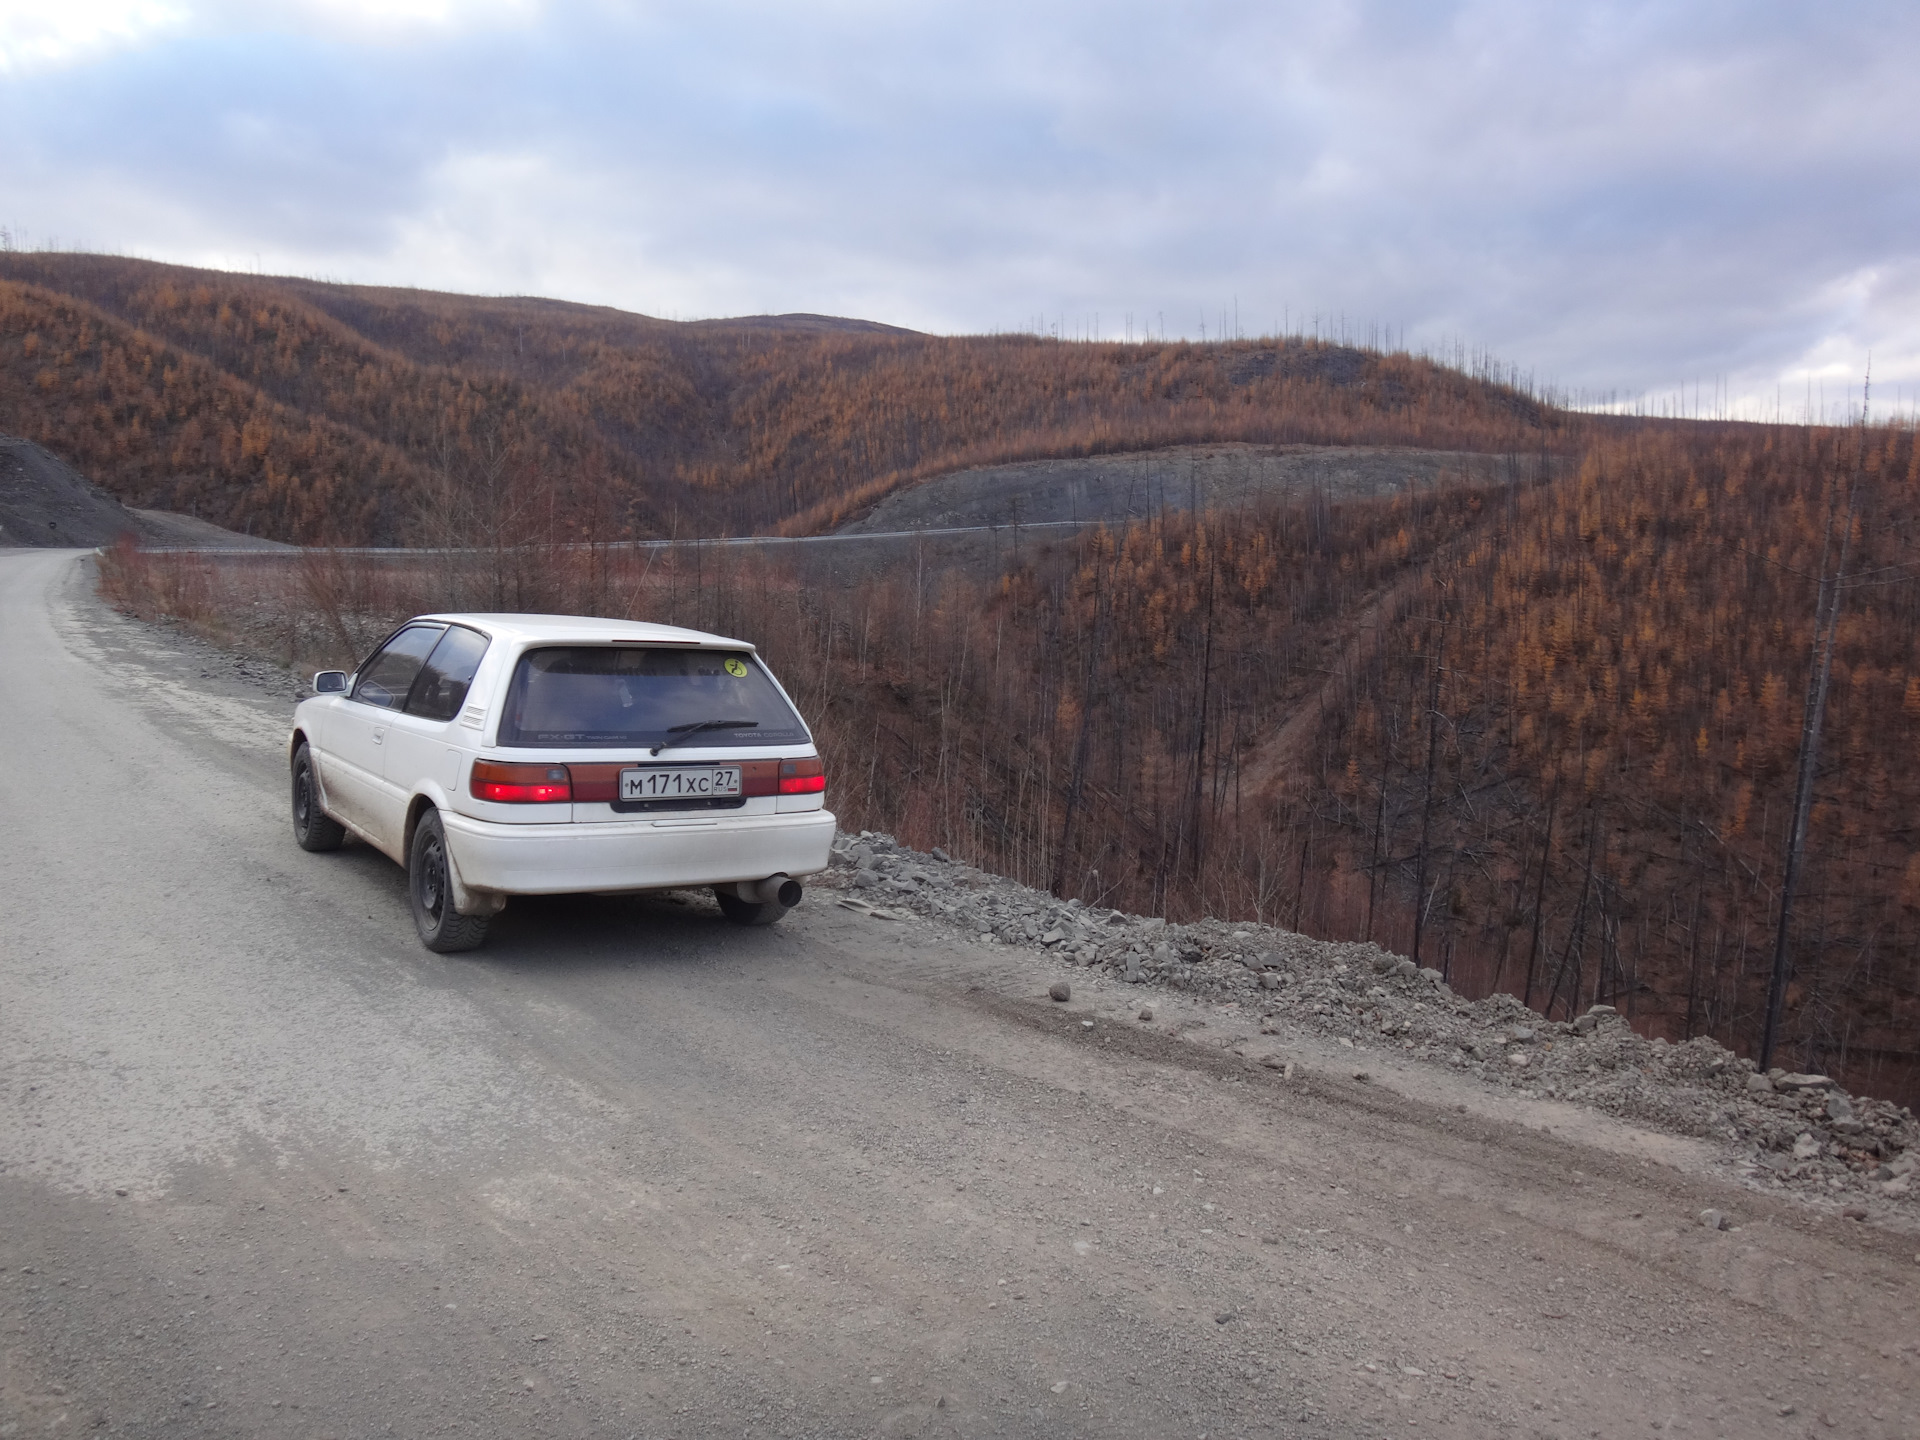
{"x": 468, "y": 901}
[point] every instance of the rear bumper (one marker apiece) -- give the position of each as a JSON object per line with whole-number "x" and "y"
{"x": 641, "y": 855}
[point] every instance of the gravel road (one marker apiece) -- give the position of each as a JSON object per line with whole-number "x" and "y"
{"x": 267, "y": 1168}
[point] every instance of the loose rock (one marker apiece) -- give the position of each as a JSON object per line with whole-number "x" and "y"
{"x": 1802, "y": 1082}
{"x": 1785, "y": 1131}
{"x": 1060, "y": 990}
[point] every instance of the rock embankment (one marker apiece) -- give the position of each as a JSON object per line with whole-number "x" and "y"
{"x": 46, "y": 503}
{"x": 1794, "y": 1131}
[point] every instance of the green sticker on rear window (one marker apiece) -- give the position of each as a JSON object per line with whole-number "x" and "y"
{"x": 736, "y": 667}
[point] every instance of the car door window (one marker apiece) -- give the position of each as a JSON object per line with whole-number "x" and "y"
{"x": 386, "y": 678}
{"x": 440, "y": 689}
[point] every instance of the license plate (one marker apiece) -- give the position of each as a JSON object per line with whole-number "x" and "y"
{"x": 707, "y": 782}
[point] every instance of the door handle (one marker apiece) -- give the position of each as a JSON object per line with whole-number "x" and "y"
{"x": 380, "y": 735}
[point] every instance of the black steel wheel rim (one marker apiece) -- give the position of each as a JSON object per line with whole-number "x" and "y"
{"x": 302, "y": 796}
{"x": 433, "y": 879}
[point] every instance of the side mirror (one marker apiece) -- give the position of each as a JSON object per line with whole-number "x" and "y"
{"x": 330, "y": 682}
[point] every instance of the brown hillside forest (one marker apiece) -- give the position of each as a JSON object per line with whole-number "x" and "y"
{"x": 1545, "y": 736}
{"x": 333, "y": 414}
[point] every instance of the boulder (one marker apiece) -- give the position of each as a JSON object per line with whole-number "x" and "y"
{"x": 1785, "y": 1081}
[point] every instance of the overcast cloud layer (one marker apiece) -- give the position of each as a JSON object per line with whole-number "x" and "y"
{"x": 1622, "y": 198}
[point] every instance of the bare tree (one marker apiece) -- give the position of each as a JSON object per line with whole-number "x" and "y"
{"x": 1826, "y": 620}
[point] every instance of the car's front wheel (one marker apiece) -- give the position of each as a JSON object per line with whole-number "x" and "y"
{"x": 442, "y": 928}
{"x": 749, "y": 912}
{"x": 313, "y": 828}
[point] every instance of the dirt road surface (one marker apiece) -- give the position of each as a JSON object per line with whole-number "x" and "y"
{"x": 268, "y": 1168}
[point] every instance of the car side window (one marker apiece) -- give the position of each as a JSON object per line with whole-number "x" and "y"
{"x": 440, "y": 689}
{"x": 389, "y": 674}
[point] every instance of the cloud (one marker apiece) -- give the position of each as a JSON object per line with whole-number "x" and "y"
{"x": 381, "y": 18}
{"x": 1625, "y": 197}
{"x": 34, "y": 34}
{"x": 37, "y": 34}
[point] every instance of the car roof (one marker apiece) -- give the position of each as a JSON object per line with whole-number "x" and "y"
{"x": 582, "y": 629}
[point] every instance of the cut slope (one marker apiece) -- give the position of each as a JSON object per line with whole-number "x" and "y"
{"x": 44, "y": 502}
{"x": 1192, "y": 477}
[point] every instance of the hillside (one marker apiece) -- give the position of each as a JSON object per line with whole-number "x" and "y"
{"x": 1538, "y": 730}
{"x": 306, "y": 411}
{"x": 1543, "y": 740}
{"x": 1540, "y": 734}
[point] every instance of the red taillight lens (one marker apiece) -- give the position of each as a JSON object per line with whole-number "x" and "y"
{"x": 520, "y": 784}
{"x": 802, "y": 777}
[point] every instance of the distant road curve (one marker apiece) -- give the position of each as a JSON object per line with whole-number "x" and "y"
{"x": 725, "y": 540}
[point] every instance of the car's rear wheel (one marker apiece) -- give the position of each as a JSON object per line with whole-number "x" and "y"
{"x": 313, "y": 828}
{"x": 442, "y": 928}
{"x": 748, "y": 912}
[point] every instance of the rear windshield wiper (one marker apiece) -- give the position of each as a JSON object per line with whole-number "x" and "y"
{"x": 693, "y": 728}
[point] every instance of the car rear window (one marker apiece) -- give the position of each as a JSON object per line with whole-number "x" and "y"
{"x": 629, "y": 695}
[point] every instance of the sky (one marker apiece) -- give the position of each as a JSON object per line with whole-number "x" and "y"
{"x": 1710, "y": 205}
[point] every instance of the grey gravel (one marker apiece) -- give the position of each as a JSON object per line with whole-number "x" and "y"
{"x": 1782, "y": 1130}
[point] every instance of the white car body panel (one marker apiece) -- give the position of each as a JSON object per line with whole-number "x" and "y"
{"x": 374, "y": 764}
{"x": 352, "y": 765}
{"x": 711, "y": 849}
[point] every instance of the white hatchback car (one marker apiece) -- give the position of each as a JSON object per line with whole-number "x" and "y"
{"x": 498, "y": 755}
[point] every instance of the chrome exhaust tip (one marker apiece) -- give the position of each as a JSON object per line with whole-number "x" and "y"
{"x": 781, "y": 890}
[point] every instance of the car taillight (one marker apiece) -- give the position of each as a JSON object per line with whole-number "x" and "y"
{"x": 802, "y": 777}
{"x": 520, "y": 784}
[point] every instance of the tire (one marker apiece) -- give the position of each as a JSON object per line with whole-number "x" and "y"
{"x": 748, "y": 912}
{"x": 443, "y": 930}
{"x": 313, "y": 828}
